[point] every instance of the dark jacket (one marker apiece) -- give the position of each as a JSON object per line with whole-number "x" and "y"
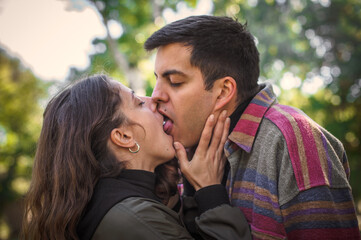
{"x": 130, "y": 210}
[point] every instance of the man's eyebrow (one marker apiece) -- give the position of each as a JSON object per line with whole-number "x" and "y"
{"x": 171, "y": 72}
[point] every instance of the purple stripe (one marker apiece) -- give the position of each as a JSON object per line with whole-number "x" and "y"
{"x": 231, "y": 147}
{"x": 244, "y": 147}
{"x": 270, "y": 93}
{"x": 329, "y": 163}
{"x": 319, "y": 211}
{"x": 345, "y": 164}
{"x": 263, "y": 96}
{"x": 256, "y": 196}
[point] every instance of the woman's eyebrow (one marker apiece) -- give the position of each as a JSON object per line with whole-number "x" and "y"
{"x": 135, "y": 97}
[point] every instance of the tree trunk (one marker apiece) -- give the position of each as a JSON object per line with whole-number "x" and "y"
{"x": 132, "y": 74}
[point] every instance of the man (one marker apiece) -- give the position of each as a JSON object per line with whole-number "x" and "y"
{"x": 286, "y": 173}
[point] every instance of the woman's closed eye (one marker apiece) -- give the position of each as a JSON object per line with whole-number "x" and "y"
{"x": 139, "y": 101}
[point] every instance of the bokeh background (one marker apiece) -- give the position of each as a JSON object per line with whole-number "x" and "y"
{"x": 310, "y": 50}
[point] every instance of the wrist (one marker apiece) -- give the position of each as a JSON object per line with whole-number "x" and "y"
{"x": 210, "y": 197}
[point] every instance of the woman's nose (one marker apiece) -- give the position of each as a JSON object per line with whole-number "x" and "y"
{"x": 152, "y": 105}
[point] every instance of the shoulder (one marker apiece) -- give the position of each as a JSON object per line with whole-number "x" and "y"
{"x": 315, "y": 154}
{"x": 292, "y": 122}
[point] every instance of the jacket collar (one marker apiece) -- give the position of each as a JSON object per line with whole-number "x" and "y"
{"x": 142, "y": 179}
{"x": 244, "y": 132}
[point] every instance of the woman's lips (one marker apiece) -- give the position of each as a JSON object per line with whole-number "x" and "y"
{"x": 167, "y": 126}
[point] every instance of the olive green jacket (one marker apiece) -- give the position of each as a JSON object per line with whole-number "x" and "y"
{"x": 138, "y": 218}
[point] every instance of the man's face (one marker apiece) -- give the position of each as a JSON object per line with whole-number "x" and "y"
{"x": 180, "y": 94}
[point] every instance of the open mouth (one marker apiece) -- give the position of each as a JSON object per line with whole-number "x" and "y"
{"x": 167, "y": 125}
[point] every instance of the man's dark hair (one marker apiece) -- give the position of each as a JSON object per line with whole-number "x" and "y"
{"x": 220, "y": 46}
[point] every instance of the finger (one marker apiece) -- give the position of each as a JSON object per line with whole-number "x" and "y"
{"x": 222, "y": 165}
{"x": 223, "y": 161}
{"x": 220, "y": 148}
{"x": 181, "y": 155}
{"x": 224, "y": 134}
{"x": 218, "y": 131}
{"x": 206, "y": 135}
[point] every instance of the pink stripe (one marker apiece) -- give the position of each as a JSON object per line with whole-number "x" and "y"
{"x": 268, "y": 233}
{"x": 264, "y": 224}
{"x": 286, "y": 128}
{"x": 255, "y": 110}
{"x": 247, "y": 127}
{"x": 313, "y": 161}
{"x": 326, "y": 233}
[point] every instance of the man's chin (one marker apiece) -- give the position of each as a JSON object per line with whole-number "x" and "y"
{"x": 190, "y": 147}
{"x": 187, "y": 143}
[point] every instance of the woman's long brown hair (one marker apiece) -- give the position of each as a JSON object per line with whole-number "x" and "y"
{"x": 72, "y": 155}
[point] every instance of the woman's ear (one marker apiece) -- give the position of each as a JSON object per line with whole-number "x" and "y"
{"x": 122, "y": 137}
{"x": 227, "y": 92}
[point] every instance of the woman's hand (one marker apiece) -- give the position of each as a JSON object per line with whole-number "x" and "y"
{"x": 207, "y": 165}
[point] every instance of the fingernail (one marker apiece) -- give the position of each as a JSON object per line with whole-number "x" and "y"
{"x": 224, "y": 113}
{"x": 211, "y": 117}
{"x": 176, "y": 145}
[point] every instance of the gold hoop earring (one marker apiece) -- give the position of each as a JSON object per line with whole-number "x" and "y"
{"x": 138, "y": 147}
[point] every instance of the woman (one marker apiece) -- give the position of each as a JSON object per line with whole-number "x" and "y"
{"x": 103, "y": 168}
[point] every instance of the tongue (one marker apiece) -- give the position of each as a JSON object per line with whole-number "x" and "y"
{"x": 167, "y": 127}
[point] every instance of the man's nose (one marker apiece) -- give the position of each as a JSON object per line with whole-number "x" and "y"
{"x": 159, "y": 94}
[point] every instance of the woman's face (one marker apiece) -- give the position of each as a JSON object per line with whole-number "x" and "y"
{"x": 156, "y": 147}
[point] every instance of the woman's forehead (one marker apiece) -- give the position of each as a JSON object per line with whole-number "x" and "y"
{"x": 121, "y": 86}
{"x": 125, "y": 93}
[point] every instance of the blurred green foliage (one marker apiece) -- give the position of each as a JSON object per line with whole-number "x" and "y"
{"x": 20, "y": 123}
{"x": 310, "y": 50}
